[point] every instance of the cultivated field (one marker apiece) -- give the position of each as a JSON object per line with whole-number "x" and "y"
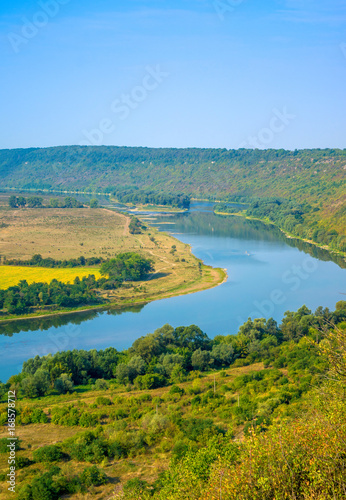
{"x": 12, "y": 275}
{"x": 70, "y": 233}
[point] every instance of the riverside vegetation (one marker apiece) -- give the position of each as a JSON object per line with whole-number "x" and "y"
{"x": 313, "y": 181}
{"x": 147, "y": 264}
{"x": 258, "y": 415}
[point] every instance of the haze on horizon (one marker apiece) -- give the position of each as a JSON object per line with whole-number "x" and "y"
{"x": 188, "y": 73}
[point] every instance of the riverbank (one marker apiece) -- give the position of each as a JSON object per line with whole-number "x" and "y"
{"x": 286, "y": 233}
{"x": 210, "y": 277}
{"x": 105, "y": 233}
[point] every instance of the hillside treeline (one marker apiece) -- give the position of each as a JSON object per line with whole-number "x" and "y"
{"x": 315, "y": 177}
{"x": 169, "y": 354}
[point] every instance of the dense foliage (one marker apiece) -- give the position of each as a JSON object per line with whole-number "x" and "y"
{"x": 20, "y": 299}
{"x": 128, "y": 266}
{"x": 145, "y": 197}
{"x": 169, "y": 354}
{"x": 314, "y": 176}
{"x": 295, "y": 218}
{"x": 38, "y": 261}
{"x": 24, "y": 298}
{"x": 290, "y": 407}
{"x": 135, "y": 226}
{"x": 37, "y": 202}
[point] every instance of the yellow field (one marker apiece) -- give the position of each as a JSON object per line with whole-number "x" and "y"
{"x": 12, "y": 275}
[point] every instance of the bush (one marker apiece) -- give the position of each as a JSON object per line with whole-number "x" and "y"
{"x": 65, "y": 415}
{"x": 90, "y": 446}
{"x": 176, "y": 390}
{"x": 93, "y": 476}
{"x": 32, "y": 416}
{"x": 51, "y": 485}
{"x": 150, "y": 381}
{"x": 101, "y": 384}
{"x": 4, "y": 442}
{"x": 102, "y": 401}
{"x": 22, "y": 462}
{"x": 88, "y": 420}
{"x": 51, "y": 453}
{"x": 135, "y": 488}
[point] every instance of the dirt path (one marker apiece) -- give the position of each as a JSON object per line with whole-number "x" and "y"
{"x": 127, "y": 220}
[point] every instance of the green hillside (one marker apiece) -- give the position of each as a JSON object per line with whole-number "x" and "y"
{"x": 179, "y": 416}
{"x": 313, "y": 179}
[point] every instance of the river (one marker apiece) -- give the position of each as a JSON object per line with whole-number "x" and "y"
{"x": 268, "y": 274}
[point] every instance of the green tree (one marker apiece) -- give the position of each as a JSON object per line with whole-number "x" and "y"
{"x": 64, "y": 384}
{"x": 94, "y": 203}
{"x": 21, "y": 201}
{"x": 37, "y": 384}
{"x": 12, "y": 201}
{"x": 201, "y": 360}
{"x": 128, "y": 266}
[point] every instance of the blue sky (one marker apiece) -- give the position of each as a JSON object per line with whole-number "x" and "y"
{"x": 188, "y": 73}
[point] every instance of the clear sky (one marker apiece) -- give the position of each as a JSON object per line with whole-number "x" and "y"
{"x": 183, "y": 73}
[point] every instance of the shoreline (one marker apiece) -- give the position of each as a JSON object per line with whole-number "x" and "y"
{"x": 222, "y": 273}
{"x": 288, "y": 235}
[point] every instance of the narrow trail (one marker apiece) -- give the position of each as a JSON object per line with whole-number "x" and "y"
{"x": 170, "y": 265}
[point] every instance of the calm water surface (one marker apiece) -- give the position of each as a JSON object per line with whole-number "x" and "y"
{"x": 267, "y": 275}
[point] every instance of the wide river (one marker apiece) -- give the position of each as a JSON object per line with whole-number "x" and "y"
{"x": 268, "y": 274}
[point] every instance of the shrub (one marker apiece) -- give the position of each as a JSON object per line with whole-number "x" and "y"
{"x": 101, "y": 384}
{"x": 63, "y": 415}
{"x": 119, "y": 414}
{"x": 89, "y": 446}
{"x": 4, "y": 442}
{"x": 135, "y": 488}
{"x": 51, "y": 485}
{"x": 22, "y": 462}
{"x": 88, "y": 420}
{"x": 102, "y": 401}
{"x": 150, "y": 381}
{"x": 93, "y": 476}
{"x": 32, "y": 416}
{"x": 176, "y": 390}
{"x": 51, "y": 453}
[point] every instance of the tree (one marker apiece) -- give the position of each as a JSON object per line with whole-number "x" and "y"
{"x": 94, "y": 203}
{"x": 64, "y": 384}
{"x": 37, "y": 384}
{"x": 222, "y": 354}
{"x": 128, "y": 266}
{"x": 54, "y": 203}
{"x": 12, "y": 201}
{"x": 201, "y": 360}
{"x": 21, "y": 201}
{"x": 128, "y": 372}
{"x": 35, "y": 202}
{"x": 170, "y": 361}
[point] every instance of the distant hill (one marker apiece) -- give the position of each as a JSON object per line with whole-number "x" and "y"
{"x": 315, "y": 177}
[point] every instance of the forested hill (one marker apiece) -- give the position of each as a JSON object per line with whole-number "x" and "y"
{"x": 213, "y": 173}
{"x": 314, "y": 176}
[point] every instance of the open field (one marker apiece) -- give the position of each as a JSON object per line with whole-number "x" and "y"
{"x": 11, "y": 275}
{"x": 141, "y": 465}
{"x": 70, "y": 233}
